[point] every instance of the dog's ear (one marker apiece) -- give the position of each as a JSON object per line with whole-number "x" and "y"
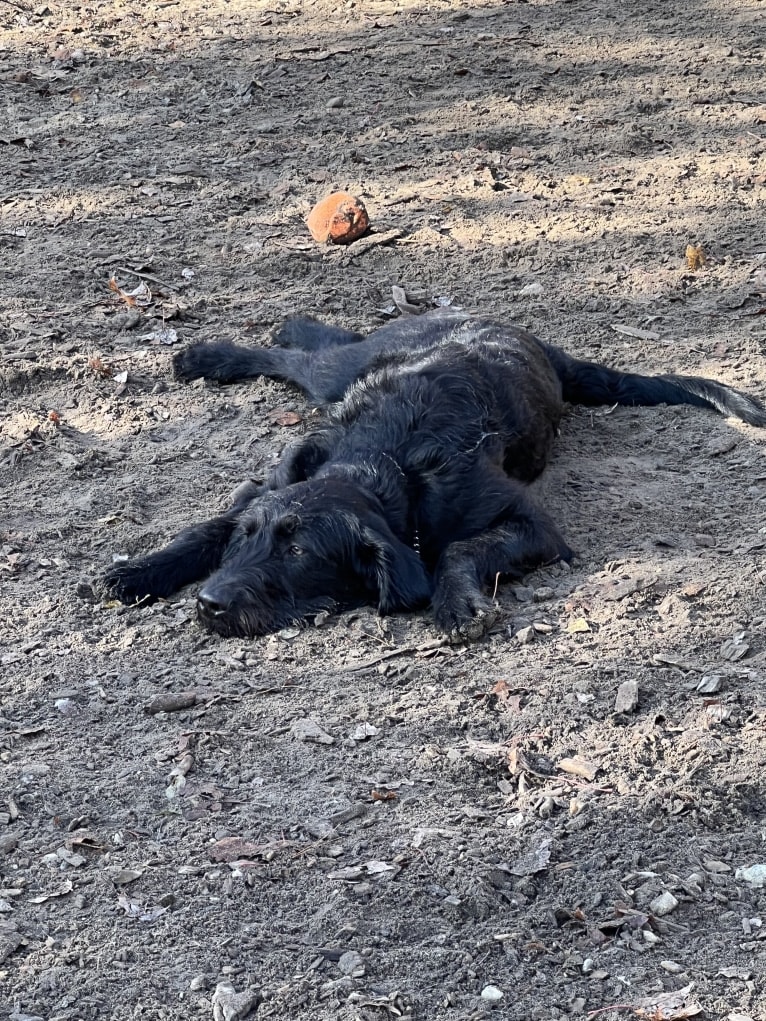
{"x": 395, "y": 570}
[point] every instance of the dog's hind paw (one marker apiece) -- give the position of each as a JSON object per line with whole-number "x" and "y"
{"x": 199, "y": 360}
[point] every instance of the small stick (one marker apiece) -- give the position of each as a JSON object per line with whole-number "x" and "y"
{"x": 146, "y": 276}
{"x": 436, "y": 643}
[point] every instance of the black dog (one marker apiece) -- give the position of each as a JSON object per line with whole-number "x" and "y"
{"x": 412, "y": 492}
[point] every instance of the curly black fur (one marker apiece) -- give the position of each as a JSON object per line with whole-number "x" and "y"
{"x": 413, "y": 490}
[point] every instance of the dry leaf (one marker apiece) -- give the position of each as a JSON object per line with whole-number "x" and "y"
{"x": 403, "y": 302}
{"x": 234, "y": 848}
{"x": 578, "y": 626}
{"x": 65, "y": 888}
{"x": 139, "y": 297}
{"x": 695, "y": 257}
{"x": 281, "y": 417}
{"x": 672, "y": 1006}
{"x": 383, "y": 795}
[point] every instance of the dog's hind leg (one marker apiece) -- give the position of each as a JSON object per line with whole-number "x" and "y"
{"x": 523, "y": 539}
{"x": 592, "y": 384}
{"x": 311, "y": 335}
{"x": 226, "y": 363}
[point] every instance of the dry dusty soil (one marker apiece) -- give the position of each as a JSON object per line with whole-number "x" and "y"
{"x": 353, "y": 819}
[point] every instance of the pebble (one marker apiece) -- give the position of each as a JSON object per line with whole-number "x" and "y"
{"x": 627, "y": 697}
{"x": 664, "y": 904}
{"x": 754, "y": 875}
{"x": 492, "y": 994}
{"x": 672, "y": 967}
{"x": 352, "y": 964}
{"x": 710, "y": 684}
{"x": 525, "y": 636}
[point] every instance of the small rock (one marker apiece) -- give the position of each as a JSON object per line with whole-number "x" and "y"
{"x": 540, "y": 595}
{"x": 753, "y": 875}
{"x": 531, "y": 289}
{"x": 171, "y": 702}
{"x": 363, "y": 732}
{"x": 309, "y": 730}
{"x": 198, "y": 983}
{"x": 650, "y": 937}
{"x": 492, "y": 994}
{"x": 229, "y": 1005}
{"x": 525, "y": 636}
{"x": 664, "y": 904}
{"x": 352, "y": 964}
{"x": 335, "y": 103}
{"x": 672, "y": 967}
{"x": 710, "y": 684}
{"x": 713, "y": 865}
{"x": 627, "y": 697}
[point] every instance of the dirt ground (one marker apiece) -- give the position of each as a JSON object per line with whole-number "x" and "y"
{"x": 354, "y": 820}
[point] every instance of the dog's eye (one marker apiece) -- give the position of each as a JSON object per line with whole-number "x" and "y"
{"x": 296, "y": 551}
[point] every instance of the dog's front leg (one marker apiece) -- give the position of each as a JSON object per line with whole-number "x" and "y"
{"x": 525, "y": 540}
{"x": 193, "y": 555}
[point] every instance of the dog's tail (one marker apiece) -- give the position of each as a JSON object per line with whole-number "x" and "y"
{"x": 587, "y": 383}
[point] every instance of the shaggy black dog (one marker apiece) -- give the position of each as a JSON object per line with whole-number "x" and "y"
{"x": 413, "y": 490}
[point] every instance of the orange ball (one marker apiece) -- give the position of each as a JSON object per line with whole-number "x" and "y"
{"x": 340, "y": 218}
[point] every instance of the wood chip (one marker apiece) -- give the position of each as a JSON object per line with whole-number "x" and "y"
{"x": 633, "y": 331}
{"x": 580, "y": 766}
{"x": 171, "y": 702}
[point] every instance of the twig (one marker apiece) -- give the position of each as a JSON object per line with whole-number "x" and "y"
{"x": 366, "y": 243}
{"x": 436, "y": 643}
{"x": 146, "y": 276}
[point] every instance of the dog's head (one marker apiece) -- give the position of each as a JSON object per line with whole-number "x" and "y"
{"x": 309, "y": 547}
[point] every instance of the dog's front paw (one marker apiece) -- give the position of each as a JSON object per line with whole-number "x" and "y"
{"x": 464, "y": 614}
{"x": 129, "y": 582}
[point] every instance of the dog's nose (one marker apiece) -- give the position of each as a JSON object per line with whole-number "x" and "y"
{"x": 209, "y": 605}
